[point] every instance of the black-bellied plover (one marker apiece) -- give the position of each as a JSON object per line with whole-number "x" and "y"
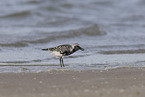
{"x": 64, "y": 50}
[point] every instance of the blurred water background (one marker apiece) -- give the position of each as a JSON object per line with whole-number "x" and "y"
{"x": 112, "y": 32}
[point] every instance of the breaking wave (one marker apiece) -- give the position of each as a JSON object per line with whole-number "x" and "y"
{"x": 47, "y": 37}
{"x": 123, "y": 52}
{"x": 17, "y": 14}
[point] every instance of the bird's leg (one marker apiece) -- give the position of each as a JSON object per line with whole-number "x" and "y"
{"x": 60, "y": 61}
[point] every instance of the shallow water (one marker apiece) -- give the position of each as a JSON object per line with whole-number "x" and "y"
{"x": 111, "y": 32}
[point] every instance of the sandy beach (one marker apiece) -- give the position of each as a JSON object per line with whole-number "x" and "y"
{"x": 121, "y": 82}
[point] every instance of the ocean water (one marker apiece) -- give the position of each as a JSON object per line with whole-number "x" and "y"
{"x": 112, "y": 32}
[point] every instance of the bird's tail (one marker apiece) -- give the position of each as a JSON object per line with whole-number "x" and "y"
{"x": 47, "y": 49}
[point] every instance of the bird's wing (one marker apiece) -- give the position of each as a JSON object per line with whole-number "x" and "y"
{"x": 65, "y": 48}
{"x": 61, "y": 48}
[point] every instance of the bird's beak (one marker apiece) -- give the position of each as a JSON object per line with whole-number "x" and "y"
{"x": 81, "y": 48}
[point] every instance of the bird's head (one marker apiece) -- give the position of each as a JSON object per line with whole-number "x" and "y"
{"x": 76, "y": 45}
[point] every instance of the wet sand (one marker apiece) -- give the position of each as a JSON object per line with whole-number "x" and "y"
{"x": 121, "y": 82}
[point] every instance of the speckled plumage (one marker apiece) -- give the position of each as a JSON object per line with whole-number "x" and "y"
{"x": 64, "y": 50}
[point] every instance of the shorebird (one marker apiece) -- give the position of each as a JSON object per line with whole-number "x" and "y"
{"x": 64, "y": 50}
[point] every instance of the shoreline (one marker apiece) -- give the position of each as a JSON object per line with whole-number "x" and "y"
{"x": 121, "y": 82}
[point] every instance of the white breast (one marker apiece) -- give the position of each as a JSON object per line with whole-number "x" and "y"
{"x": 57, "y": 54}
